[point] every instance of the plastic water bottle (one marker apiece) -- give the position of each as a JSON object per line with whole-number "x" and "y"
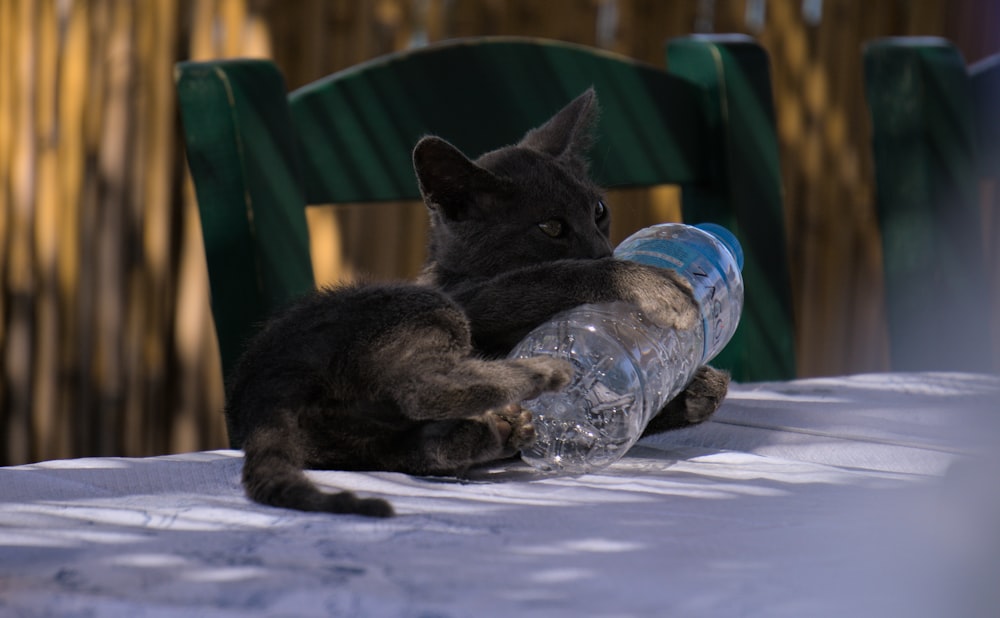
{"x": 625, "y": 367}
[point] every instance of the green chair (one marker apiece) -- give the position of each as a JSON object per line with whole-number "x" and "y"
{"x": 258, "y": 156}
{"x": 936, "y": 133}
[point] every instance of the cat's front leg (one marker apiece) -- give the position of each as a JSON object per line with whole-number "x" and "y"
{"x": 453, "y": 446}
{"x": 503, "y": 310}
{"x": 695, "y": 404}
{"x": 660, "y": 293}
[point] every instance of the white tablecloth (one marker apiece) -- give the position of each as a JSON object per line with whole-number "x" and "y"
{"x": 821, "y": 497}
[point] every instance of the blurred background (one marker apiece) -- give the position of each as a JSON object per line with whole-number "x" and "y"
{"x": 106, "y": 339}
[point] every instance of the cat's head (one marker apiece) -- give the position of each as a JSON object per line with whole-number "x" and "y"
{"x": 516, "y": 206}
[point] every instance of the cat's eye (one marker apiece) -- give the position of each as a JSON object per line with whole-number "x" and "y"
{"x": 552, "y": 227}
{"x": 600, "y": 211}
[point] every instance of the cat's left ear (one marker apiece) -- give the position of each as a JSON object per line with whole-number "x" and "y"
{"x": 569, "y": 134}
{"x": 448, "y": 180}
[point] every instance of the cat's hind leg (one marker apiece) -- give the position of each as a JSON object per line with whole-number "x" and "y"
{"x": 452, "y": 446}
{"x": 472, "y": 386}
{"x": 467, "y": 408}
{"x": 429, "y": 371}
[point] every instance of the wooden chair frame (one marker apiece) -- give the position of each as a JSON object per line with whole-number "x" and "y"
{"x": 259, "y": 155}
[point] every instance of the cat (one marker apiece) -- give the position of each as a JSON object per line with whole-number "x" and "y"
{"x": 411, "y": 377}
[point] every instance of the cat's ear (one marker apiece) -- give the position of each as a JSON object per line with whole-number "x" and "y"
{"x": 569, "y": 134}
{"x": 448, "y": 180}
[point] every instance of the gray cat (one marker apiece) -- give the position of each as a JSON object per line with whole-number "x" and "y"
{"x": 412, "y": 377}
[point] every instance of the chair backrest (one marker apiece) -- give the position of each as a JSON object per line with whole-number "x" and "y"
{"x": 259, "y": 155}
{"x": 936, "y": 133}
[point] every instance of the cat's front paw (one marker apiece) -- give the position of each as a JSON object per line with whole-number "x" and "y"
{"x": 662, "y": 295}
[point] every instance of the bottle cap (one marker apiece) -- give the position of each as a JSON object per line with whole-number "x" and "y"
{"x": 725, "y": 237}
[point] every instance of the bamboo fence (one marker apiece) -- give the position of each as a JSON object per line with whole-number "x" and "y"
{"x": 106, "y": 340}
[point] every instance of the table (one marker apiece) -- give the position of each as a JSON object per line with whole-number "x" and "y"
{"x": 866, "y": 495}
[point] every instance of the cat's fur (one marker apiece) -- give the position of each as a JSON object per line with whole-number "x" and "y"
{"x": 411, "y": 377}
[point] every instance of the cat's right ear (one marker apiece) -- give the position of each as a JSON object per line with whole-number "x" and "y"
{"x": 448, "y": 179}
{"x": 569, "y": 134}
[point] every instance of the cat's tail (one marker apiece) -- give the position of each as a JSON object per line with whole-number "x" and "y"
{"x": 273, "y": 475}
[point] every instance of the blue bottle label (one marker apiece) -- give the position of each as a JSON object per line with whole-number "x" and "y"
{"x": 662, "y": 253}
